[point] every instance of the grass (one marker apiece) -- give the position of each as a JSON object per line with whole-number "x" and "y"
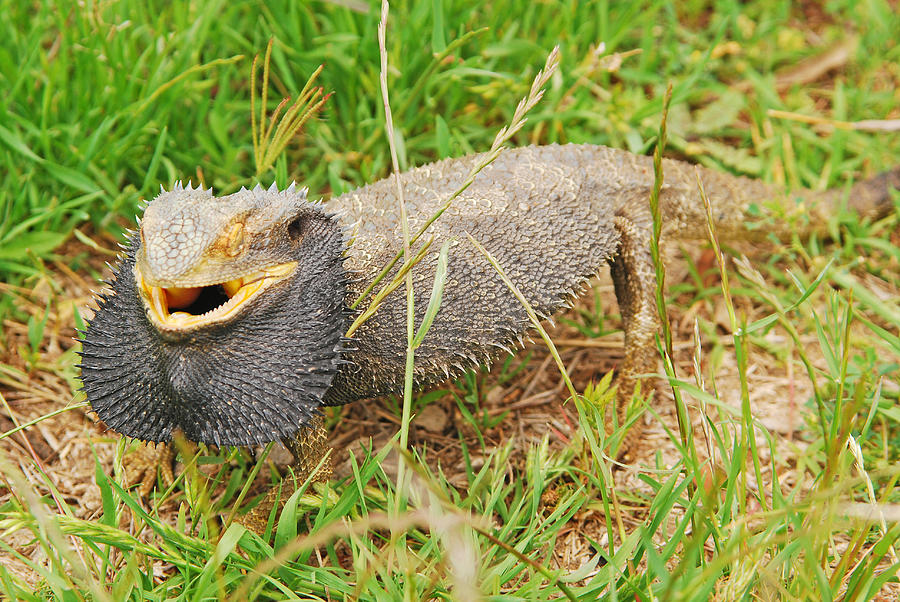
{"x": 516, "y": 499}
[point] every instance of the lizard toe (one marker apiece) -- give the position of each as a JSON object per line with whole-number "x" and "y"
{"x": 144, "y": 465}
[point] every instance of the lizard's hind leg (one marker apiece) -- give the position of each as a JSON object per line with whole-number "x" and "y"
{"x": 634, "y": 279}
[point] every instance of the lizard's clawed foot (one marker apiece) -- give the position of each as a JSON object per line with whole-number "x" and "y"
{"x": 146, "y": 462}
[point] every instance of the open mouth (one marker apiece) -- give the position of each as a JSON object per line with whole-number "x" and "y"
{"x": 182, "y": 309}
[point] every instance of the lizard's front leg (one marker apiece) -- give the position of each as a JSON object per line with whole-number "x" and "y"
{"x": 634, "y": 279}
{"x": 146, "y": 462}
{"x": 309, "y": 446}
{"x": 149, "y": 460}
{"x": 310, "y": 449}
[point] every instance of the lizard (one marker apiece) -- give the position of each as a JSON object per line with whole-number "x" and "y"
{"x": 225, "y": 318}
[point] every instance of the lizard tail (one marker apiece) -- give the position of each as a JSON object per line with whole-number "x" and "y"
{"x": 738, "y": 202}
{"x": 870, "y": 199}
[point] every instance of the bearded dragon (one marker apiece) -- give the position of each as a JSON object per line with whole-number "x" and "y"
{"x": 225, "y": 319}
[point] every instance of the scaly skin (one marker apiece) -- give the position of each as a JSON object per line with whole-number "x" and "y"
{"x": 550, "y": 215}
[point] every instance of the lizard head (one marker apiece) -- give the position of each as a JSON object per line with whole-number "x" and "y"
{"x": 224, "y": 319}
{"x": 203, "y": 259}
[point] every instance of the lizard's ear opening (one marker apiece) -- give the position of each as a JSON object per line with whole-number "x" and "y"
{"x": 297, "y": 228}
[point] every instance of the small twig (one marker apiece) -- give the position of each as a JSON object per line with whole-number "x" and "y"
{"x": 868, "y": 125}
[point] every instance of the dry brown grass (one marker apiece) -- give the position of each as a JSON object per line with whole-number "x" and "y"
{"x": 67, "y": 447}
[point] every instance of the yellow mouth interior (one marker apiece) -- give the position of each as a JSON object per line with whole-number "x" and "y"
{"x": 175, "y": 308}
